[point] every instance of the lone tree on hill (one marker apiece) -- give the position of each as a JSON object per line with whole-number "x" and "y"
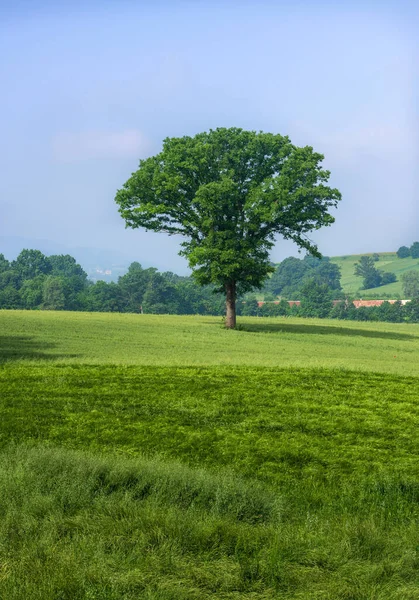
{"x": 365, "y": 268}
{"x": 229, "y": 192}
{"x": 372, "y": 277}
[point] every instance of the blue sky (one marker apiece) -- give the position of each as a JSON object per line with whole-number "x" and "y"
{"x": 89, "y": 88}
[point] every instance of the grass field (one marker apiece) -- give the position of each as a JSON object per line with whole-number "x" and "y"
{"x": 164, "y": 457}
{"x": 68, "y": 338}
{"x": 388, "y": 262}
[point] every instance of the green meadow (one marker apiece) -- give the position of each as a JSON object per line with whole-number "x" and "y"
{"x": 388, "y": 262}
{"x": 164, "y": 457}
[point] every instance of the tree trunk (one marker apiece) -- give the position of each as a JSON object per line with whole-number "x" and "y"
{"x": 230, "y": 305}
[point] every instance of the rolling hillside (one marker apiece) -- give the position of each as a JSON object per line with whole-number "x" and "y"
{"x": 388, "y": 262}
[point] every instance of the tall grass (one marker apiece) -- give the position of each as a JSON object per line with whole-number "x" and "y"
{"x": 74, "y": 525}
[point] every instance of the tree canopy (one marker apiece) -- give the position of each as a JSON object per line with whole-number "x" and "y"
{"x": 414, "y": 250}
{"x": 229, "y": 192}
{"x": 292, "y": 273}
{"x": 410, "y": 281}
{"x": 403, "y": 252}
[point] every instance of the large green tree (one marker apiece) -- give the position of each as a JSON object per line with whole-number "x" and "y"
{"x": 30, "y": 264}
{"x": 230, "y": 192}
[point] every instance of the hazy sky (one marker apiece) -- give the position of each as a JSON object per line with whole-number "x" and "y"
{"x": 90, "y": 87}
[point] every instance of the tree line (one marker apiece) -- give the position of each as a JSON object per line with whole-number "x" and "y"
{"x": 316, "y": 302}
{"x": 37, "y": 282}
{"x": 57, "y": 282}
{"x": 405, "y": 251}
{"x": 315, "y": 282}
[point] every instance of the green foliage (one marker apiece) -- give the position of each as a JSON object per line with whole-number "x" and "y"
{"x": 4, "y": 264}
{"x": 66, "y": 287}
{"x": 30, "y": 264}
{"x": 389, "y": 262}
{"x": 387, "y": 278}
{"x": 35, "y": 281}
{"x": 365, "y": 268}
{"x": 316, "y": 299}
{"x": 292, "y": 274}
{"x": 412, "y": 311}
{"x": 64, "y": 265}
{"x": 414, "y": 250}
{"x": 32, "y": 291}
{"x": 371, "y": 275}
{"x": 147, "y": 290}
{"x": 133, "y": 286}
{"x": 410, "y": 282}
{"x": 9, "y": 297}
{"x": 229, "y": 192}
{"x": 249, "y": 306}
{"x": 103, "y": 297}
{"x": 391, "y": 312}
{"x": 287, "y": 277}
{"x": 53, "y": 293}
{"x": 342, "y": 310}
{"x": 194, "y": 299}
{"x": 160, "y": 296}
{"x": 403, "y": 252}
{"x": 327, "y": 273}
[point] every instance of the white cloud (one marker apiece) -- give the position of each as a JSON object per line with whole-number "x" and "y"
{"x": 69, "y": 147}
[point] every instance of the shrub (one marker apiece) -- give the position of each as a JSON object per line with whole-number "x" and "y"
{"x": 388, "y": 278}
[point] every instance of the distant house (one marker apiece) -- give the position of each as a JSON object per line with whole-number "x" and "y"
{"x": 359, "y": 303}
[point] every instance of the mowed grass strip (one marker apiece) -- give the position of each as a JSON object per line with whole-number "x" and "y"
{"x": 110, "y": 338}
{"x": 270, "y": 423}
{"x": 78, "y": 526}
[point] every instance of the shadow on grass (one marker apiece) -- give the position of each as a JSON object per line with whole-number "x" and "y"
{"x": 322, "y": 330}
{"x": 21, "y": 347}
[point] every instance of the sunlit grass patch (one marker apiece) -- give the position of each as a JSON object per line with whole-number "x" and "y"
{"x": 270, "y": 423}
{"x": 125, "y": 339}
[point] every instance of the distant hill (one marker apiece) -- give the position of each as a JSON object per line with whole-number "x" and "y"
{"x": 388, "y": 261}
